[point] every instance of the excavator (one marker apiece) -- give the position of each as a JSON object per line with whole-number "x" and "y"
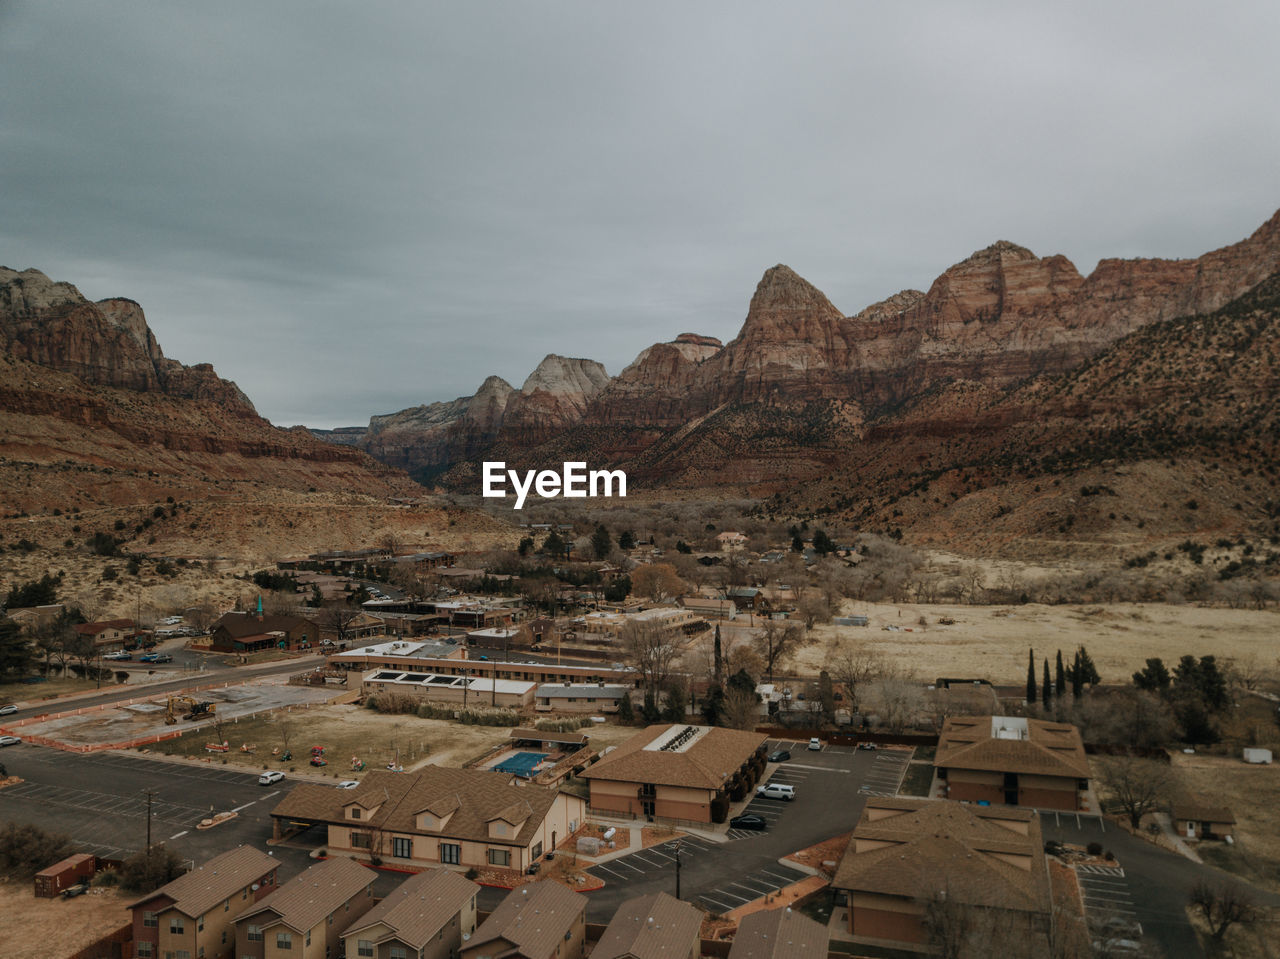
{"x": 188, "y": 707}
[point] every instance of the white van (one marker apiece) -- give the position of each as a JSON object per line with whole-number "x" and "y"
{"x": 776, "y": 791}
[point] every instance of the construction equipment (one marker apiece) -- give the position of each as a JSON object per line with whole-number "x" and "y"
{"x": 189, "y": 709}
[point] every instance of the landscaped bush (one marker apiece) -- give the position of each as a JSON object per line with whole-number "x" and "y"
{"x": 562, "y": 725}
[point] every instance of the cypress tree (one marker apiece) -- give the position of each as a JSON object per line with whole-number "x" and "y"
{"x": 1031, "y": 676}
{"x": 1046, "y": 688}
{"x": 1077, "y": 678}
{"x": 719, "y": 663}
{"x": 1060, "y": 682}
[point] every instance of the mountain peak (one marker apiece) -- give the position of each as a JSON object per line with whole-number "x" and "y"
{"x": 782, "y": 288}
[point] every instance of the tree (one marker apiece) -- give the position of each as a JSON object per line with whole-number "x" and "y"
{"x": 38, "y": 592}
{"x": 779, "y": 638}
{"x": 854, "y": 668}
{"x": 1138, "y": 785}
{"x": 673, "y": 702}
{"x": 713, "y": 706}
{"x": 897, "y": 701}
{"x": 822, "y": 543}
{"x": 1031, "y": 677}
{"x": 656, "y": 582}
{"x": 340, "y": 620}
{"x": 1084, "y": 669}
{"x": 651, "y": 650}
{"x": 626, "y": 714}
{"x": 1222, "y": 904}
{"x": 15, "y": 652}
{"x": 1201, "y": 680}
{"x": 627, "y": 541}
{"x": 526, "y": 546}
{"x": 1060, "y": 679}
{"x": 718, "y": 663}
{"x": 797, "y": 544}
{"x": 149, "y": 869}
{"x": 601, "y": 541}
{"x": 827, "y": 696}
{"x": 1046, "y": 688}
{"x": 741, "y": 707}
{"x": 1153, "y": 677}
{"x": 554, "y": 546}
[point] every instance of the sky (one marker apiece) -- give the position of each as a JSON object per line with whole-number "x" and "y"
{"x": 353, "y": 208}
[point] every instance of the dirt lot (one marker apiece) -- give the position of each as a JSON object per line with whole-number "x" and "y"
{"x": 32, "y": 928}
{"x": 991, "y": 641}
{"x": 350, "y": 730}
{"x": 1253, "y": 794}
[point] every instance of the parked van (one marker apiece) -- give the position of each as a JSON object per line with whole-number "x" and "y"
{"x": 777, "y": 791}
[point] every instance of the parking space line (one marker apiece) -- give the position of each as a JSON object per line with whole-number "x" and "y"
{"x": 715, "y": 902}
{"x": 179, "y": 835}
{"x": 604, "y": 868}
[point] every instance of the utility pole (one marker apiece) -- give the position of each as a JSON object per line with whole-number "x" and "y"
{"x": 677, "y": 868}
{"x": 150, "y": 794}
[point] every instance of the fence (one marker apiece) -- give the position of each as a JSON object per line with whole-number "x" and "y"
{"x": 114, "y": 945}
{"x": 850, "y": 739}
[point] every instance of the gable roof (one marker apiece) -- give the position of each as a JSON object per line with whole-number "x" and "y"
{"x": 657, "y": 926}
{"x": 1200, "y": 809}
{"x": 241, "y": 625}
{"x": 199, "y": 890}
{"x": 933, "y": 846}
{"x": 93, "y": 629}
{"x": 707, "y": 762}
{"x": 474, "y": 797}
{"x": 307, "y": 898}
{"x": 1048, "y": 749}
{"x": 419, "y": 907}
{"x": 533, "y": 918}
{"x": 779, "y": 934}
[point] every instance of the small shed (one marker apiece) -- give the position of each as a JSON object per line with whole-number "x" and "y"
{"x": 65, "y": 874}
{"x": 1196, "y": 819}
{"x": 1254, "y": 754}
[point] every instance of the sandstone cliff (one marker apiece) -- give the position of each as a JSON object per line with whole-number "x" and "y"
{"x": 553, "y": 398}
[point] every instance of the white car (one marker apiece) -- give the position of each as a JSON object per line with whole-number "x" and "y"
{"x": 266, "y": 779}
{"x": 348, "y": 784}
{"x": 815, "y": 744}
{"x": 9, "y": 740}
{"x": 8, "y": 708}
{"x": 776, "y": 791}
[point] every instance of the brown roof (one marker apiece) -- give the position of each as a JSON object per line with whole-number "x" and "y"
{"x": 547, "y": 736}
{"x": 707, "y": 763}
{"x": 419, "y": 907}
{"x": 656, "y": 926}
{"x": 936, "y": 845}
{"x": 476, "y": 799}
{"x": 533, "y": 918}
{"x": 92, "y": 629}
{"x": 1200, "y": 810}
{"x": 198, "y": 891}
{"x": 241, "y": 625}
{"x": 779, "y": 934}
{"x": 1050, "y": 749}
{"x": 304, "y": 901}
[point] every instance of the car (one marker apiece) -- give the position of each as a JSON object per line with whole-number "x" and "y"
{"x": 485, "y": 658}
{"x": 779, "y": 756}
{"x": 776, "y": 791}
{"x": 148, "y": 657}
{"x": 8, "y": 708}
{"x": 870, "y": 746}
{"x": 163, "y": 658}
{"x": 118, "y": 657}
{"x": 749, "y": 821}
{"x": 268, "y": 778}
{"x": 79, "y": 889}
{"x": 815, "y": 744}
{"x": 10, "y": 740}
{"x": 348, "y": 784}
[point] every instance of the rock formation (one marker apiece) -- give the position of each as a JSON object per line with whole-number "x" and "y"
{"x": 553, "y": 398}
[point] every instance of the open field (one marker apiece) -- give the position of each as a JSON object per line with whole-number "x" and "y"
{"x": 30, "y": 927}
{"x": 1253, "y": 794}
{"x": 991, "y": 641}
{"x": 350, "y": 730}
{"x": 33, "y": 692}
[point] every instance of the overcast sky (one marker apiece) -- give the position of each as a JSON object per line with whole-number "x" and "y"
{"x": 353, "y": 208}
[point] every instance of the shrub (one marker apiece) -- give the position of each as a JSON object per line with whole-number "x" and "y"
{"x": 1094, "y": 849}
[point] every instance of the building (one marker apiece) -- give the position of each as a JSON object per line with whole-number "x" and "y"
{"x": 779, "y": 934}
{"x": 109, "y": 634}
{"x": 194, "y": 914}
{"x": 909, "y": 856}
{"x": 673, "y": 771}
{"x": 539, "y": 920}
{"x": 238, "y": 632}
{"x": 547, "y": 741}
{"x": 304, "y": 917}
{"x": 731, "y": 542}
{"x": 436, "y": 816}
{"x": 710, "y": 608}
{"x": 450, "y": 660}
{"x": 747, "y": 598}
{"x": 477, "y": 690}
{"x": 1198, "y": 819}
{"x": 1012, "y": 761}
{"x": 657, "y": 926}
{"x": 427, "y": 916}
{"x": 579, "y": 697}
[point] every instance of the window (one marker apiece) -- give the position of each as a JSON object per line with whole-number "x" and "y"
{"x": 150, "y": 919}
{"x": 255, "y": 933}
{"x": 355, "y": 812}
{"x": 142, "y": 949}
{"x": 176, "y": 925}
{"x": 308, "y": 940}
{"x": 402, "y": 848}
{"x": 182, "y": 954}
{"x": 399, "y": 952}
{"x": 451, "y": 853}
{"x": 284, "y": 940}
{"x": 360, "y": 840}
{"x": 226, "y": 904}
{"x": 536, "y": 851}
{"x": 499, "y": 857}
{"x": 199, "y": 923}
{"x": 364, "y": 947}
{"x": 200, "y": 953}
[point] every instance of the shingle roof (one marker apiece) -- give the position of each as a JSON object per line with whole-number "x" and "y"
{"x": 307, "y": 898}
{"x": 657, "y": 926}
{"x": 196, "y": 892}
{"x": 708, "y": 762}
{"x": 533, "y": 918}
{"x": 936, "y": 846}
{"x": 1201, "y": 810}
{"x": 419, "y": 907}
{"x": 592, "y": 691}
{"x": 779, "y": 934}
{"x": 93, "y": 629}
{"x": 476, "y": 798}
{"x": 240, "y": 625}
{"x": 1051, "y": 749}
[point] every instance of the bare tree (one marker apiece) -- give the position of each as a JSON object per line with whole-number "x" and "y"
{"x": 651, "y": 649}
{"x": 1138, "y": 785}
{"x": 854, "y": 667}
{"x": 898, "y": 702}
{"x": 340, "y": 620}
{"x": 741, "y": 708}
{"x": 779, "y": 638}
{"x": 656, "y": 582}
{"x": 1222, "y": 904}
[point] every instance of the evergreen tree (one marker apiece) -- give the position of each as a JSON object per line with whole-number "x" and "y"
{"x": 822, "y": 543}
{"x": 1077, "y": 678}
{"x": 553, "y": 545}
{"x": 719, "y": 662}
{"x": 797, "y": 544}
{"x": 1154, "y": 677}
{"x": 713, "y": 706}
{"x": 601, "y": 541}
{"x": 1031, "y": 676}
{"x": 1060, "y": 680}
{"x": 1088, "y": 671}
{"x": 627, "y": 540}
{"x": 526, "y": 544}
{"x": 15, "y": 652}
{"x": 626, "y": 715}
{"x": 1046, "y": 688}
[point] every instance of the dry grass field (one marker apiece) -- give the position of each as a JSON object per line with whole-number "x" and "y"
{"x": 991, "y": 641}
{"x": 1253, "y": 794}
{"x": 32, "y": 928}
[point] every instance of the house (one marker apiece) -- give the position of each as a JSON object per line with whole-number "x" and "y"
{"x": 579, "y": 697}
{"x": 427, "y": 916}
{"x": 907, "y": 857}
{"x": 779, "y": 934}
{"x": 731, "y": 542}
{"x": 547, "y": 741}
{"x": 675, "y": 771}
{"x": 194, "y": 914}
{"x": 436, "y": 816}
{"x": 304, "y": 918}
{"x": 1013, "y": 761}
{"x": 746, "y": 598}
{"x": 539, "y": 920}
{"x": 239, "y": 632}
{"x": 1196, "y": 818}
{"x": 109, "y": 634}
{"x": 710, "y": 608}
{"x": 475, "y": 690}
{"x": 657, "y": 926}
